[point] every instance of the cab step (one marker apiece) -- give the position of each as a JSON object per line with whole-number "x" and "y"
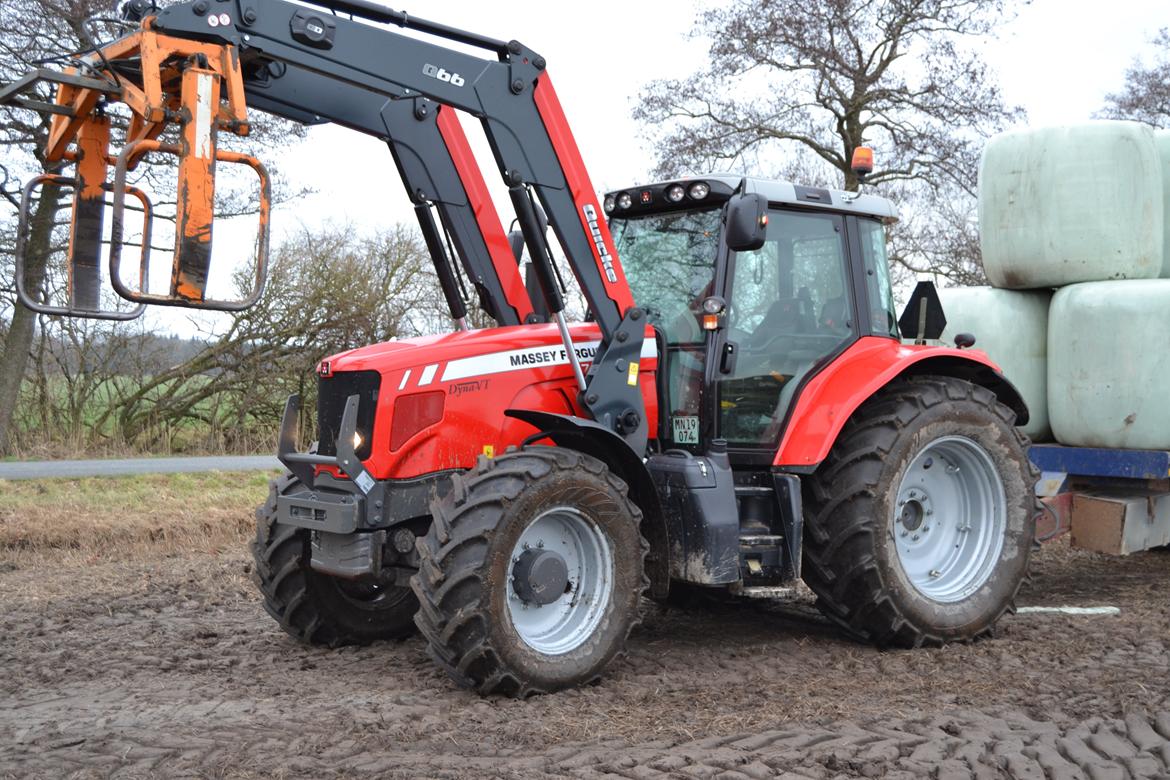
{"x": 770, "y": 592}
{"x": 742, "y": 491}
{"x": 760, "y": 540}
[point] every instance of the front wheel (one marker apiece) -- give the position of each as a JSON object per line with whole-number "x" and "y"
{"x": 921, "y": 520}
{"x": 531, "y": 574}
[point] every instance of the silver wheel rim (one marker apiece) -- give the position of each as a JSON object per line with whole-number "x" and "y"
{"x": 950, "y": 519}
{"x": 565, "y": 624}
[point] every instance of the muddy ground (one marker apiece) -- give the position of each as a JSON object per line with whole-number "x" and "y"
{"x": 169, "y": 667}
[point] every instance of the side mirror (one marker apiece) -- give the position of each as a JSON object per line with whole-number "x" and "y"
{"x": 745, "y": 222}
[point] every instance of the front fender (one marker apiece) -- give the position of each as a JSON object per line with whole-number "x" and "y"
{"x": 591, "y": 438}
{"x": 833, "y": 395}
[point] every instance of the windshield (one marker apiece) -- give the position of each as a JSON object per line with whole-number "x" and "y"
{"x": 669, "y": 260}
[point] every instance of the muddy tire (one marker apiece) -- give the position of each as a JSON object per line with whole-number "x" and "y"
{"x": 313, "y": 607}
{"x": 537, "y": 526}
{"x": 927, "y": 455}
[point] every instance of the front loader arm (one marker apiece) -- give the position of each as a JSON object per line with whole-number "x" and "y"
{"x": 526, "y": 128}
{"x": 512, "y": 97}
{"x": 433, "y": 159}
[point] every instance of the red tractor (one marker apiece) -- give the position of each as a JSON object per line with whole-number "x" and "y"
{"x": 738, "y": 412}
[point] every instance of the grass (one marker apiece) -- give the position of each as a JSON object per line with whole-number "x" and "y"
{"x": 103, "y": 518}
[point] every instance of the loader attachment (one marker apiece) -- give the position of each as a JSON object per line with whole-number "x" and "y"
{"x": 179, "y": 94}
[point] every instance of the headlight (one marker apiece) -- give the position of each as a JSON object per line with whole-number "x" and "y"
{"x": 610, "y": 204}
{"x": 700, "y": 190}
{"x": 675, "y": 193}
{"x": 624, "y": 201}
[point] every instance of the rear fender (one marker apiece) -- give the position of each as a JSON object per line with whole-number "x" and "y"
{"x": 591, "y": 438}
{"x": 833, "y": 395}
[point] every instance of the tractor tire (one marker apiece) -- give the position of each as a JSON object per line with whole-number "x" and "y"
{"x": 870, "y": 555}
{"x": 316, "y": 608}
{"x": 500, "y": 615}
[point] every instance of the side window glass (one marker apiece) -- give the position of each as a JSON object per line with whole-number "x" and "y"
{"x": 877, "y": 278}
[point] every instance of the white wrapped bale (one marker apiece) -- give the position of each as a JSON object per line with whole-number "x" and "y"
{"x": 1162, "y": 139}
{"x": 1079, "y": 203}
{"x": 1012, "y": 328}
{"x": 1108, "y": 365}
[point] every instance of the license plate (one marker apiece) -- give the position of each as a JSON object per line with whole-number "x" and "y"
{"x": 686, "y": 429}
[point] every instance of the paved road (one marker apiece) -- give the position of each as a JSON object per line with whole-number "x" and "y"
{"x": 110, "y": 468}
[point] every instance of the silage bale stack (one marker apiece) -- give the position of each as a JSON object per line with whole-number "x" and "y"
{"x": 1080, "y": 210}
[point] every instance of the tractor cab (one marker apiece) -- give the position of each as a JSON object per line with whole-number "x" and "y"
{"x": 744, "y": 320}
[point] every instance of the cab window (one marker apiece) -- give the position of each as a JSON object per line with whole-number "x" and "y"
{"x": 883, "y": 313}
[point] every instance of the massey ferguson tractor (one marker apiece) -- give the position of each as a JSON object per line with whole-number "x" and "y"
{"x": 738, "y": 411}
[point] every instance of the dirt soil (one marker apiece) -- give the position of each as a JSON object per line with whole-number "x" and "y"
{"x": 169, "y": 667}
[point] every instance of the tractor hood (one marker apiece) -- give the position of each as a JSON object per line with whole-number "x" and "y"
{"x": 438, "y": 402}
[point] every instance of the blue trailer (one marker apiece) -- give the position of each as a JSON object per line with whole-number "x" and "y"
{"x": 1112, "y": 501}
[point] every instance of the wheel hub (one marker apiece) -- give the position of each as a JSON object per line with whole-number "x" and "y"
{"x": 540, "y": 577}
{"x": 912, "y": 515}
{"x": 950, "y": 519}
{"x": 560, "y": 580}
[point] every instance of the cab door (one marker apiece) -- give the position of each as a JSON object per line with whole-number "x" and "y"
{"x": 791, "y": 307}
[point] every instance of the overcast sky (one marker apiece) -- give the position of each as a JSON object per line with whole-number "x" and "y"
{"x": 1057, "y": 59}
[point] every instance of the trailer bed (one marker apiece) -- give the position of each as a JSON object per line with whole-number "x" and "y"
{"x": 1112, "y": 501}
{"x": 1101, "y": 463}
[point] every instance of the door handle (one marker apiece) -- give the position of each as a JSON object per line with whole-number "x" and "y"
{"x": 727, "y": 360}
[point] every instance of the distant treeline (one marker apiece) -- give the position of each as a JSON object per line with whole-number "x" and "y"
{"x": 155, "y": 353}
{"x": 97, "y": 387}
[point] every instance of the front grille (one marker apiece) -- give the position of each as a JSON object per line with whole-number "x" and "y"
{"x": 332, "y": 392}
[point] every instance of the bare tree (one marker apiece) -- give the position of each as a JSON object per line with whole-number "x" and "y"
{"x": 938, "y": 236}
{"x": 1145, "y": 96}
{"x": 806, "y": 82}
{"x": 33, "y": 33}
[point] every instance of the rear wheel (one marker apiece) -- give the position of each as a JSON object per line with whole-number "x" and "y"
{"x": 920, "y": 522}
{"x": 531, "y": 574}
{"x": 314, "y": 607}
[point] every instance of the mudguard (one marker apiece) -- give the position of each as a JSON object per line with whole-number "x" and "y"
{"x": 830, "y": 397}
{"x": 591, "y": 438}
